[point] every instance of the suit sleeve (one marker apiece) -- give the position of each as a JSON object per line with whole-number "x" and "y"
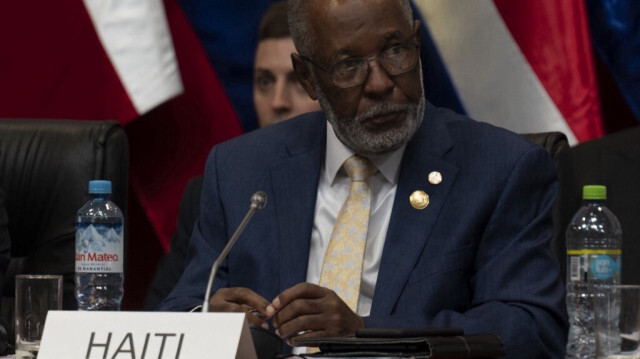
{"x": 517, "y": 291}
{"x": 189, "y": 291}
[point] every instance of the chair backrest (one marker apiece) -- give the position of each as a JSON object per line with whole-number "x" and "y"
{"x": 554, "y": 142}
{"x": 45, "y": 169}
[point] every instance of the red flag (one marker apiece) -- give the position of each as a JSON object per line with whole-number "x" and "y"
{"x": 169, "y": 145}
{"x": 524, "y": 65}
{"x": 60, "y": 60}
{"x": 53, "y": 65}
{"x": 554, "y": 37}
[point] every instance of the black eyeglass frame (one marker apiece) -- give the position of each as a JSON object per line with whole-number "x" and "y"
{"x": 367, "y": 60}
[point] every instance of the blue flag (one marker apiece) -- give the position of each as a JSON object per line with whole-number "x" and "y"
{"x": 615, "y": 33}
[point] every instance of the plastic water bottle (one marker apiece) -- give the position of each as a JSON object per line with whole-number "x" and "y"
{"x": 594, "y": 249}
{"x": 99, "y": 251}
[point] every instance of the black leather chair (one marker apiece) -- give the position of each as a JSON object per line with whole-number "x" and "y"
{"x": 554, "y": 142}
{"x": 45, "y": 169}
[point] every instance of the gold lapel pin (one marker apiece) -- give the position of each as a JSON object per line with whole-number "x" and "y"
{"x": 419, "y": 200}
{"x": 435, "y": 177}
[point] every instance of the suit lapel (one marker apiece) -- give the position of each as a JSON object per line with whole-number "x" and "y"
{"x": 295, "y": 185}
{"x": 409, "y": 228}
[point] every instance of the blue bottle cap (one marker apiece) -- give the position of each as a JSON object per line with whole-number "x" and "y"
{"x": 100, "y": 186}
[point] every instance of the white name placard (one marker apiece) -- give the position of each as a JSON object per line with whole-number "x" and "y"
{"x": 146, "y": 335}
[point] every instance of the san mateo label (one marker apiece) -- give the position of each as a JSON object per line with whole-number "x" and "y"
{"x": 146, "y": 335}
{"x": 99, "y": 248}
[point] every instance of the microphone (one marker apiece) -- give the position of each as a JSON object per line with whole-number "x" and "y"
{"x": 258, "y": 201}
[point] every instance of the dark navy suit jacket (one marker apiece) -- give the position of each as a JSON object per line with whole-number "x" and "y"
{"x": 478, "y": 257}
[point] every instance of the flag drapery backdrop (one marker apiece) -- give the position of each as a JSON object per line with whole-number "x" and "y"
{"x": 178, "y": 74}
{"x": 137, "y": 62}
{"x": 523, "y": 65}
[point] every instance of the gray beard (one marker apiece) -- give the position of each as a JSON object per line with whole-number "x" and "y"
{"x": 353, "y": 134}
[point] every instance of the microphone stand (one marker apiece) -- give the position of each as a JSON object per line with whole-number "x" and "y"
{"x": 258, "y": 201}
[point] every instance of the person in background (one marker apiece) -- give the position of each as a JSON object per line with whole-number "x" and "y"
{"x": 277, "y": 93}
{"x": 383, "y": 211}
{"x": 277, "y": 96}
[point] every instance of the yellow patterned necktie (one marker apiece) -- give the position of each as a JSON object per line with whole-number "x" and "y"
{"x": 342, "y": 267}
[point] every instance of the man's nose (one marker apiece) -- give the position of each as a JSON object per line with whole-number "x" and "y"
{"x": 378, "y": 81}
{"x": 281, "y": 100}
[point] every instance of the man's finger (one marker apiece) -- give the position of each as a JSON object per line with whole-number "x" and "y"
{"x": 240, "y": 300}
{"x": 298, "y": 291}
{"x": 302, "y": 325}
{"x": 296, "y": 308}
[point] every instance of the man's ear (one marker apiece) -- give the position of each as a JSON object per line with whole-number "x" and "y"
{"x": 416, "y": 30}
{"x": 305, "y": 77}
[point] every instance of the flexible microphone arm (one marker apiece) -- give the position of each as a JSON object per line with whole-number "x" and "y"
{"x": 258, "y": 201}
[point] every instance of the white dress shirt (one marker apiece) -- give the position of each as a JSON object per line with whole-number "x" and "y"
{"x": 333, "y": 190}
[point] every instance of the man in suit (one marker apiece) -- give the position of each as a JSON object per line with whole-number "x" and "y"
{"x": 459, "y": 214}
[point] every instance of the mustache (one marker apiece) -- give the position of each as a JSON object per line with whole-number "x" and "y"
{"x": 384, "y": 109}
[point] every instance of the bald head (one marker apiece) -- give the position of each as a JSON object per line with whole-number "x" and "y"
{"x": 299, "y": 23}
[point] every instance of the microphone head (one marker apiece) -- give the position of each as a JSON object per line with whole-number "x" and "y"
{"x": 258, "y": 200}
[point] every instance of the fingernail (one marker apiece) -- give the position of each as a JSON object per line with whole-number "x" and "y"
{"x": 276, "y": 303}
{"x": 265, "y": 325}
{"x": 277, "y": 332}
{"x": 270, "y": 310}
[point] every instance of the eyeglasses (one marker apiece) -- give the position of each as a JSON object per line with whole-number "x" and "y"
{"x": 351, "y": 72}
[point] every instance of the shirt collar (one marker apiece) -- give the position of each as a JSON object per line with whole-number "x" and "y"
{"x": 388, "y": 164}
